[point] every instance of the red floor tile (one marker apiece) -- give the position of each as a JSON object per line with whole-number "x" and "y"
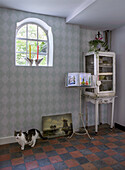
{"x": 66, "y": 144}
{"x": 94, "y": 149}
{"x": 48, "y": 167}
{"x": 113, "y": 134}
{"x": 4, "y": 157}
{"x": 71, "y": 163}
{"x": 28, "y": 152}
{"x": 37, "y": 145}
{"x": 123, "y": 147}
{"x": 106, "y": 168}
{"x": 123, "y": 135}
{"x": 97, "y": 143}
{"x": 54, "y": 141}
{"x": 122, "y": 163}
{"x": 17, "y": 161}
{"x": 48, "y": 148}
{"x": 61, "y": 151}
{"x": 31, "y": 165}
{"x": 81, "y": 146}
{"x": 7, "y": 168}
{"x": 15, "y": 149}
{"x": 98, "y": 137}
{"x": 123, "y": 154}
{"x": 92, "y": 157}
{"x": 83, "y": 140}
{"x": 110, "y": 161}
{"x": 89, "y": 166}
{"x": 40, "y": 156}
{"x": 111, "y": 145}
{"x": 76, "y": 154}
{"x": 111, "y": 139}
{"x": 110, "y": 152}
{"x": 5, "y": 146}
{"x": 55, "y": 159}
{"x": 123, "y": 141}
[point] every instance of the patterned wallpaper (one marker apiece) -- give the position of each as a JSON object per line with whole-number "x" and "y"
{"x": 28, "y": 93}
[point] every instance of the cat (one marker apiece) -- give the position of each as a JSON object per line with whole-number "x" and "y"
{"x": 29, "y": 137}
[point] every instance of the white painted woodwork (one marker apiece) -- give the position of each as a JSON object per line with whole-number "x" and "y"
{"x": 95, "y": 62}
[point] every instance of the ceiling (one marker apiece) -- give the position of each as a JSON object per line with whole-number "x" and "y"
{"x": 92, "y": 14}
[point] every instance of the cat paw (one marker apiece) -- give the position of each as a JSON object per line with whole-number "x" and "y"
{"x": 32, "y": 146}
{"x": 22, "y": 148}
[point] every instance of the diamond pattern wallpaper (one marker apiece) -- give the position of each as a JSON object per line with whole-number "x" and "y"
{"x": 28, "y": 93}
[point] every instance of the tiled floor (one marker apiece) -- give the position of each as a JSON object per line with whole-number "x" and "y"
{"x": 105, "y": 152}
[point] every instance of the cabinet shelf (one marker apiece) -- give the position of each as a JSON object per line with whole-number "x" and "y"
{"x": 106, "y": 66}
{"x": 105, "y": 74}
{"x": 106, "y": 81}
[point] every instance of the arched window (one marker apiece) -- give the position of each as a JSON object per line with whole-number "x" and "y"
{"x": 34, "y": 43}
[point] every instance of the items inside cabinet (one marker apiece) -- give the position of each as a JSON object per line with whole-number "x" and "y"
{"x": 105, "y": 64}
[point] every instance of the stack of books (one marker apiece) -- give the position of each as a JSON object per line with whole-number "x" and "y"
{"x": 78, "y": 79}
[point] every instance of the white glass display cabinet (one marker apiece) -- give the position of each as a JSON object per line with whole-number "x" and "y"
{"x": 102, "y": 66}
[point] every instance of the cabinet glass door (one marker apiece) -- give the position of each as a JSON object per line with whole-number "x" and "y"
{"x": 89, "y": 68}
{"x": 89, "y": 64}
{"x": 106, "y": 73}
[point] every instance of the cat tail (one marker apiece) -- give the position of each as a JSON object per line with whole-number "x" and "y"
{"x": 41, "y": 136}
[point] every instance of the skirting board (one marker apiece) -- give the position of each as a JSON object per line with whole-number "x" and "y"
{"x": 119, "y": 126}
{"x": 7, "y": 140}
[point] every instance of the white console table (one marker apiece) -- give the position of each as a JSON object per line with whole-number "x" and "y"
{"x": 97, "y": 101}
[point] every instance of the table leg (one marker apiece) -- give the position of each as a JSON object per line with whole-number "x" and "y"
{"x": 112, "y": 114}
{"x": 96, "y": 115}
{"x": 100, "y": 114}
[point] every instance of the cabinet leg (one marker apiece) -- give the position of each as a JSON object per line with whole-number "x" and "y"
{"x": 100, "y": 115}
{"x": 96, "y": 116}
{"x": 112, "y": 114}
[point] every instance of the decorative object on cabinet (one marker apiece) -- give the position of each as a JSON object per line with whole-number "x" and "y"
{"x": 98, "y": 44}
{"x": 102, "y": 65}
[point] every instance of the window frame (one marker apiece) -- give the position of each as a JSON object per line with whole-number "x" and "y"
{"x": 46, "y": 28}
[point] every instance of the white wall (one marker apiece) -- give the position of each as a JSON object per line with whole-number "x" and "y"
{"x": 118, "y": 46}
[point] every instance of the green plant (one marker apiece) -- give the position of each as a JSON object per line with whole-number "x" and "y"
{"x": 96, "y": 45}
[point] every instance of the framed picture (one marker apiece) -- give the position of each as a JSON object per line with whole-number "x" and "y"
{"x": 57, "y": 125}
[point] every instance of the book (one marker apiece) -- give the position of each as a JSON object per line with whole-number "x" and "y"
{"x": 77, "y": 79}
{"x": 85, "y": 79}
{"x": 72, "y": 79}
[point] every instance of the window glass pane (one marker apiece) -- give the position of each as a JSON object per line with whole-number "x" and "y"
{"x": 33, "y": 46}
{"x": 20, "y": 45}
{"x": 20, "y": 59}
{"x": 41, "y": 34}
{"x": 22, "y": 32}
{"x": 43, "y": 47}
{"x": 44, "y": 61}
{"x": 32, "y": 31}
